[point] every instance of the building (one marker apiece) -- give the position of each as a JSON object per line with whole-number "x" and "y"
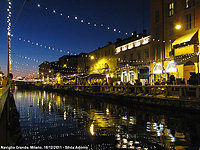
{"x": 103, "y": 61}
{"x": 133, "y": 55}
{"x": 175, "y": 38}
{"x": 49, "y": 69}
{"x": 82, "y": 63}
{"x": 44, "y": 69}
{"x": 68, "y": 64}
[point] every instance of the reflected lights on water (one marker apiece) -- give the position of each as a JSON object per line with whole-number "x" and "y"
{"x": 61, "y": 116}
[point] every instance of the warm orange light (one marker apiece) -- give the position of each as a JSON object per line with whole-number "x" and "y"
{"x": 178, "y": 26}
{"x": 92, "y": 57}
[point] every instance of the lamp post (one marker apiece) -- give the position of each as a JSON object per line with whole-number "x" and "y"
{"x": 177, "y": 27}
{"x": 8, "y": 56}
{"x": 198, "y": 66}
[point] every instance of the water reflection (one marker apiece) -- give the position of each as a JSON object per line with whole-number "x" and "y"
{"x": 48, "y": 118}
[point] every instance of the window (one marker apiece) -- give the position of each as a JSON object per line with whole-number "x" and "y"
{"x": 131, "y": 56}
{"x": 158, "y": 51}
{"x": 188, "y": 21}
{"x": 124, "y": 58}
{"x": 157, "y": 16}
{"x": 188, "y": 4}
{"x": 102, "y": 54}
{"x": 153, "y": 53}
{"x": 171, "y": 9}
{"x": 113, "y": 51}
{"x": 146, "y": 54}
{"x": 106, "y": 53}
{"x": 157, "y": 33}
{"x": 171, "y": 28}
{"x": 139, "y": 56}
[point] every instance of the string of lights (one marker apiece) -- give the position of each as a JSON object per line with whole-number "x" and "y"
{"x": 134, "y": 61}
{"x": 19, "y": 72}
{"x": 79, "y": 19}
{"x": 9, "y": 33}
{"x": 24, "y": 64}
{"x": 25, "y": 57}
{"x": 24, "y": 72}
{"x": 170, "y": 41}
{"x": 183, "y": 57}
{"x": 9, "y": 17}
{"x": 42, "y": 45}
{"x": 29, "y": 70}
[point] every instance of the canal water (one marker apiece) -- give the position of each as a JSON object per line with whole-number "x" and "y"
{"x": 66, "y": 121}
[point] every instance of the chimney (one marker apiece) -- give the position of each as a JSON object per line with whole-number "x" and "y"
{"x": 119, "y": 39}
{"x": 109, "y": 42}
{"x": 134, "y": 33}
{"x": 144, "y": 32}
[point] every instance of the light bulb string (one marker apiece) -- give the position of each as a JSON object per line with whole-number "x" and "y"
{"x": 41, "y": 45}
{"x": 81, "y": 20}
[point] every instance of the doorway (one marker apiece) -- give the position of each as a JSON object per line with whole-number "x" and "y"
{"x": 187, "y": 68}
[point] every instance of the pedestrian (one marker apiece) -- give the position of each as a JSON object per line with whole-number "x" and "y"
{"x": 183, "y": 81}
{"x": 172, "y": 79}
{"x": 157, "y": 82}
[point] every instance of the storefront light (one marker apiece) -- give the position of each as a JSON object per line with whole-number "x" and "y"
{"x": 178, "y": 26}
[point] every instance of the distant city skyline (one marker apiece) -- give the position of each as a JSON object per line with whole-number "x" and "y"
{"x": 46, "y": 31}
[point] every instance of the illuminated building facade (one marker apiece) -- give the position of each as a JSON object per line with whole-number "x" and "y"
{"x": 68, "y": 64}
{"x": 82, "y": 63}
{"x": 44, "y": 69}
{"x": 103, "y": 61}
{"x": 49, "y": 69}
{"x": 175, "y": 38}
{"x": 133, "y": 55}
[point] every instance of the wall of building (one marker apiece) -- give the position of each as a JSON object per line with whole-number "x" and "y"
{"x": 103, "y": 60}
{"x": 164, "y": 33}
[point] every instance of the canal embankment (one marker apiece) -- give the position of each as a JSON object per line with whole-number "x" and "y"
{"x": 9, "y": 119}
{"x": 173, "y": 97}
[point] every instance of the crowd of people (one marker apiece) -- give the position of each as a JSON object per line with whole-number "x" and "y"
{"x": 162, "y": 81}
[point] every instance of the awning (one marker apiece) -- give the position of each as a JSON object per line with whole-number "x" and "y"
{"x": 157, "y": 69}
{"x": 185, "y": 38}
{"x": 171, "y": 67}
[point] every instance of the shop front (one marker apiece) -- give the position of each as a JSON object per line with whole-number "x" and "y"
{"x": 144, "y": 75}
{"x": 129, "y": 75}
{"x": 171, "y": 72}
{"x": 186, "y": 54}
{"x": 156, "y": 74}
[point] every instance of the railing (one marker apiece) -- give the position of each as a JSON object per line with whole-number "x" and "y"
{"x": 4, "y": 115}
{"x": 165, "y": 90}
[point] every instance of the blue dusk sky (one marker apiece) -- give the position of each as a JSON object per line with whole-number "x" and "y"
{"x": 44, "y": 30}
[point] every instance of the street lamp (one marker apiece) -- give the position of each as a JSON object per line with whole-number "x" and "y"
{"x": 178, "y": 26}
{"x": 92, "y": 57}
